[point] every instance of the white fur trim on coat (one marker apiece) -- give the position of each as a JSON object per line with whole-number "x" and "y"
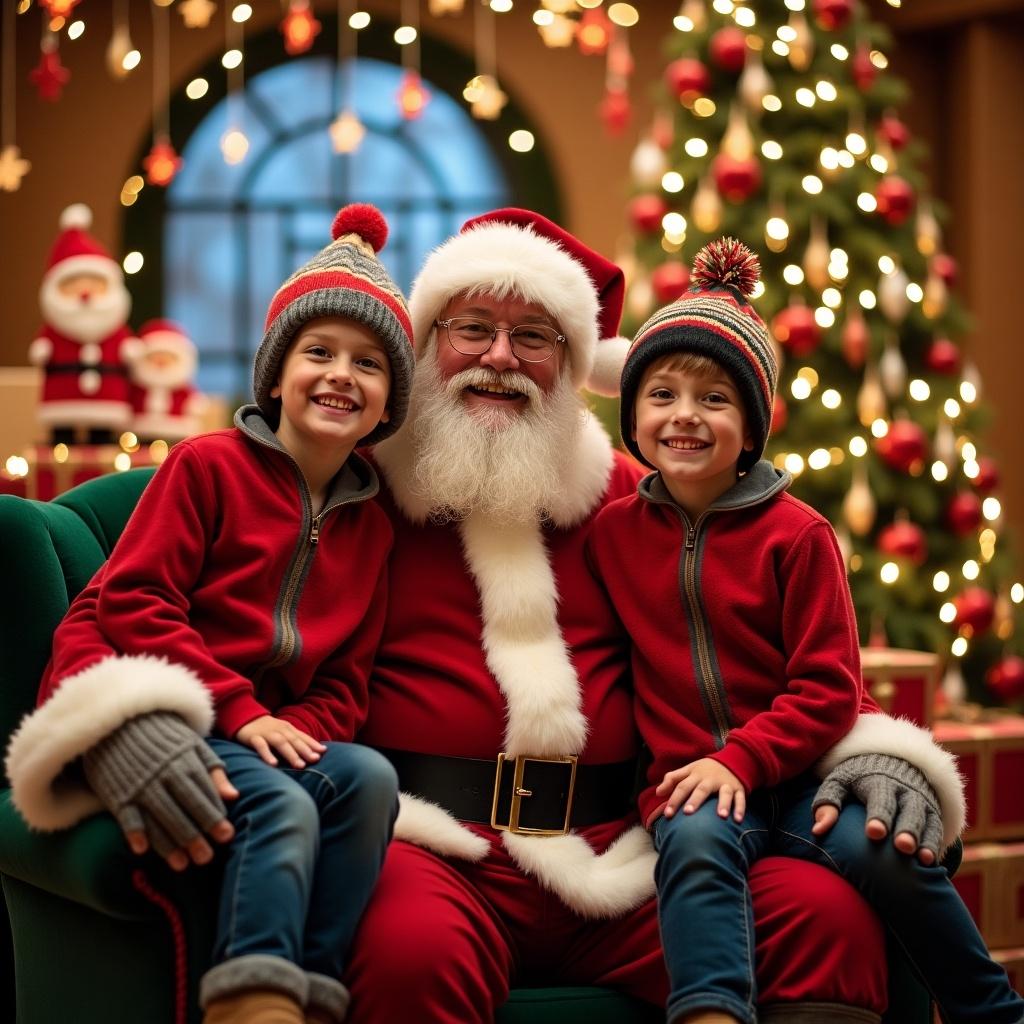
{"x": 882, "y": 734}
{"x": 86, "y": 708}
{"x": 425, "y": 824}
{"x": 85, "y": 413}
{"x": 506, "y": 260}
{"x": 609, "y": 360}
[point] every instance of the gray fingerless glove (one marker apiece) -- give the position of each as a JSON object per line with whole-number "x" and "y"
{"x": 892, "y": 790}
{"x": 153, "y": 775}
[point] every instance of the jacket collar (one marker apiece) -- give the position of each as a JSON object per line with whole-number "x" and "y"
{"x": 763, "y": 481}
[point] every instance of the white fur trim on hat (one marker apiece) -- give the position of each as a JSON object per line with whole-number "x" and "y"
{"x": 77, "y": 215}
{"x": 882, "y": 734}
{"x": 609, "y": 360}
{"x": 85, "y": 709}
{"x": 506, "y": 260}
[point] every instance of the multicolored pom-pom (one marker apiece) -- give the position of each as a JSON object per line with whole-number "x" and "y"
{"x": 726, "y": 262}
{"x": 364, "y": 220}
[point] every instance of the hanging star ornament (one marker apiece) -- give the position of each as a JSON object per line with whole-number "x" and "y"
{"x": 299, "y": 28}
{"x": 13, "y": 167}
{"x": 486, "y": 97}
{"x": 197, "y": 13}
{"x": 346, "y": 132}
{"x": 49, "y": 76}
{"x": 162, "y": 164}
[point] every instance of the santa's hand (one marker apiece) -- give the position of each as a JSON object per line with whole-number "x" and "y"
{"x": 897, "y": 796}
{"x": 164, "y": 786}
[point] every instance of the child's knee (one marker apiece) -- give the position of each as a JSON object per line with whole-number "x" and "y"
{"x": 368, "y": 775}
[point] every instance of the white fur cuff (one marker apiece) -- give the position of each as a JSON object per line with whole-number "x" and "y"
{"x": 86, "y": 708}
{"x": 425, "y": 824}
{"x": 881, "y": 734}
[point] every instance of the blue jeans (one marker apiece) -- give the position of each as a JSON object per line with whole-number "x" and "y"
{"x": 707, "y": 922}
{"x": 308, "y": 849}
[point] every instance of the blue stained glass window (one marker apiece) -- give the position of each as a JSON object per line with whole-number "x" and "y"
{"x": 233, "y": 233}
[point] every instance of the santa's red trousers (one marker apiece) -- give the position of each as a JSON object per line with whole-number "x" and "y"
{"x": 443, "y": 939}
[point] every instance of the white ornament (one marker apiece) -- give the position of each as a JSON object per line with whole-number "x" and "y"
{"x": 648, "y": 163}
{"x": 945, "y": 443}
{"x": 859, "y": 506}
{"x": 892, "y": 295}
{"x": 755, "y": 83}
{"x": 953, "y": 685}
{"x": 892, "y": 369}
{"x": 871, "y": 403}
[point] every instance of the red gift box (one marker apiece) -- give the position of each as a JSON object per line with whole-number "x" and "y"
{"x": 991, "y": 759}
{"x": 990, "y": 881}
{"x": 903, "y": 682}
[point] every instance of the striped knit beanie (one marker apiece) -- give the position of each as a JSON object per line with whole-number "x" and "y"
{"x": 345, "y": 279}
{"x": 712, "y": 319}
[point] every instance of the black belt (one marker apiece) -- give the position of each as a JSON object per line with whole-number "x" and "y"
{"x": 533, "y": 795}
{"x": 104, "y": 369}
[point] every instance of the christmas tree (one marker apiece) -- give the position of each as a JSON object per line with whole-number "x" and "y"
{"x": 779, "y": 126}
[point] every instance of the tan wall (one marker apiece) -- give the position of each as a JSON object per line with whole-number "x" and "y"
{"x": 961, "y": 57}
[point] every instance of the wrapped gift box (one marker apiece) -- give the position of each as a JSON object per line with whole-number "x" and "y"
{"x": 1013, "y": 961}
{"x": 903, "y": 682}
{"x": 990, "y": 881}
{"x": 991, "y": 760}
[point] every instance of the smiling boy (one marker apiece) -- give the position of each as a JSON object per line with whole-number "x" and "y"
{"x": 746, "y": 671}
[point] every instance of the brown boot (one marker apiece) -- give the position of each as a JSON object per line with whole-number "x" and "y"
{"x": 254, "y": 1006}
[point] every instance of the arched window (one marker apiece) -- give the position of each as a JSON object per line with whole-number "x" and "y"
{"x": 232, "y": 233}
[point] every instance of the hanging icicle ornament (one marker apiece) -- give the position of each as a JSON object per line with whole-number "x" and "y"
{"x": 871, "y": 404}
{"x": 485, "y": 97}
{"x": 196, "y": 13}
{"x": 755, "y": 83}
{"x": 801, "y": 42}
{"x": 892, "y": 295}
{"x": 944, "y": 443}
{"x": 892, "y": 370}
{"x": 817, "y": 256}
{"x": 49, "y": 76}
{"x": 706, "y": 208}
{"x": 737, "y": 142}
{"x": 970, "y": 379}
{"x": 694, "y": 13}
{"x": 954, "y": 689}
{"x": 927, "y": 233}
{"x": 859, "y": 506}
{"x": 936, "y": 296}
{"x": 648, "y": 164}
{"x": 640, "y": 298}
{"x": 299, "y": 27}
{"x": 855, "y": 338}
{"x": 13, "y": 166}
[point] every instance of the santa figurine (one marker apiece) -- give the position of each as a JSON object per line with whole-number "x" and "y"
{"x": 165, "y": 403}
{"x": 85, "y": 344}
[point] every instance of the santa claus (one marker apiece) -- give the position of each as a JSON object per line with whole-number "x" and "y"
{"x": 85, "y": 344}
{"x": 165, "y": 402}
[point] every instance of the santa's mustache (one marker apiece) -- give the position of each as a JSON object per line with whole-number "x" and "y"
{"x": 481, "y": 377}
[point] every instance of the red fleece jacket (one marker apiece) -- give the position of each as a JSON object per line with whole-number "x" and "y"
{"x": 744, "y": 638}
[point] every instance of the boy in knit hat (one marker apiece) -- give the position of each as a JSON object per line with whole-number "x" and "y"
{"x": 248, "y": 593}
{"x": 746, "y": 671}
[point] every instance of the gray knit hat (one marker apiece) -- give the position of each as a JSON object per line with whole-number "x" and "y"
{"x": 345, "y": 279}
{"x": 713, "y": 319}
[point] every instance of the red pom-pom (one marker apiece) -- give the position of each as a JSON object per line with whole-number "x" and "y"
{"x": 364, "y": 220}
{"x": 727, "y": 261}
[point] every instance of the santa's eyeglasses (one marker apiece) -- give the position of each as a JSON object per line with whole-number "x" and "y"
{"x": 471, "y": 336}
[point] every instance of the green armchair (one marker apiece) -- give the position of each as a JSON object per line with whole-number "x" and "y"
{"x": 95, "y": 927}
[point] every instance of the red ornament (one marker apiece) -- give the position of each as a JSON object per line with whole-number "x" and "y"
{"x": 646, "y": 213}
{"x": 736, "y": 180}
{"x": 987, "y": 479}
{"x": 1005, "y": 679}
{"x": 687, "y": 78}
{"x": 946, "y": 267}
{"x": 162, "y": 164}
{"x": 975, "y": 610}
{"x": 49, "y": 76}
{"x": 904, "y": 447}
{"x": 796, "y": 330}
{"x": 942, "y": 356}
{"x": 903, "y": 539}
{"x": 780, "y": 414}
{"x": 855, "y": 340}
{"x": 412, "y": 96}
{"x": 893, "y": 131}
{"x": 895, "y": 199}
{"x": 593, "y": 32}
{"x": 833, "y": 15}
{"x": 669, "y": 280}
{"x": 299, "y": 27}
{"x": 864, "y": 72}
{"x": 615, "y": 111}
{"x": 728, "y": 48}
{"x": 963, "y": 513}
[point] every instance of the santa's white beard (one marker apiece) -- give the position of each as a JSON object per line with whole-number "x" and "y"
{"x": 85, "y": 322}
{"x": 505, "y": 463}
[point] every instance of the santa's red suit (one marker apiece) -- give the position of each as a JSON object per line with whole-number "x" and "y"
{"x": 165, "y": 402}
{"x": 84, "y": 345}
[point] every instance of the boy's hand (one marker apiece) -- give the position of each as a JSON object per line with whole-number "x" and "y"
{"x": 692, "y": 784}
{"x": 267, "y": 734}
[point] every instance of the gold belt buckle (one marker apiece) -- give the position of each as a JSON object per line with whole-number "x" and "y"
{"x": 519, "y": 794}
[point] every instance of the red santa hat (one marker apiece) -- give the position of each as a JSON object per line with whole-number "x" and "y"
{"x": 164, "y": 336}
{"x": 76, "y": 251}
{"x": 518, "y": 252}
